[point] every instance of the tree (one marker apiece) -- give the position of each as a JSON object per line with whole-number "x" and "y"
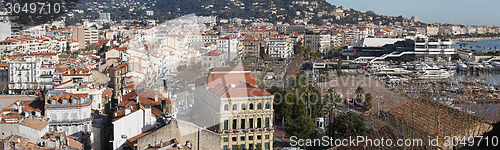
{"x": 237, "y": 147}
{"x": 339, "y": 68}
{"x": 368, "y": 101}
{"x": 301, "y": 126}
{"x": 258, "y": 146}
{"x": 345, "y": 125}
{"x": 359, "y": 91}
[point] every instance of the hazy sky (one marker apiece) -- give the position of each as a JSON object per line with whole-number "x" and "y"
{"x": 471, "y": 12}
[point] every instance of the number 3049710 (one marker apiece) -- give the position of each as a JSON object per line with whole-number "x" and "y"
{"x": 34, "y": 8}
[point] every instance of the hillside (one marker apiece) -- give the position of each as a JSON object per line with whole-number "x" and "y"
{"x": 310, "y": 11}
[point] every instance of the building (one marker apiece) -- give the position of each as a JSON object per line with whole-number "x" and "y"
{"x": 318, "y": 42}
{"x": 188, "y": 135}
{"x": 116, "y": 82}
{"x": 229, "y": 102}
{"x": 414, "y": 19}
{"x": 130, "y": 122}
{"x": 150, "y": 13}
{"x": 85, "y": 36}
{"x": 213, "y": 59}
{"x": 69, "y": 113}
{"x": 4, "y": 78}
{"x": 24, "y": 76}
{"x": 279, "y": 47}
{"x": 105, "y": 17}
{"x": 251, "y": 47}
{"x": 429, "y": 47}
{"x": 431, "y": 30}
{"x": 20, "y": 118}
{"x": 228, "y": 45}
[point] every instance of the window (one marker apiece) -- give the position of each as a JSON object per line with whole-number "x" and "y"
{"x": 259, "y": 105}
{"x": 267, "y": 146}
{"x": 250, "y": 146}
{"x": 234, "y": 139}
{"x": 259, "y": 123}
{"x": 235, "y": 107}
{"x": 225, "y": 147}
{"x": 226, "y": 124}
{"x": 234, "y": 123}
{"x": 259, "y": 137}
{"x": 250, "y": 137}
{"x": 250, "y": 106}
{"x": 266, "y": 122}
{"x": 226, "y": 107}
{"x": 226, "y": 139}
{"x": 267, "y": 137}
{"x": 268, "y": 105}
{"x": 250, "y": 123}
{"x": 242, "y": 123}
{"x": 242, "y": 138}
{"x": 243, "y": 106}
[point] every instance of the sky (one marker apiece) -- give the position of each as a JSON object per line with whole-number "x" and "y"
{"x": 468, "y": 12}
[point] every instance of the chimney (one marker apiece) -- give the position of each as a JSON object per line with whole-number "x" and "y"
{"x": 156, "y": 97}
{"x": 137, "y": 99}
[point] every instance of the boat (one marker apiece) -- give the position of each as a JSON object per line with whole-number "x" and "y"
{"x": 433, "y": 73}
{"x": 462, "y": 67}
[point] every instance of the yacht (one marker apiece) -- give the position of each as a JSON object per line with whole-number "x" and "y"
{"x": 392, "y": 71}
{"x": 462, "y": 67}
{"x": 433, "y": 73}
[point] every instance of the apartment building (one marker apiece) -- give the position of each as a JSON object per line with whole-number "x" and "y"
{"x": 213, "y": 59}
{"x": 318, "y": 42}
{"x": 429, "y": 47}
{"x": 279, "y": 47}
{"x": 236, "y": 108}
{"x": 24, "y": 76}
{"x": 251, "y": 47}
{"x": 69, "y": 113}
{"x": 228, "y": 45}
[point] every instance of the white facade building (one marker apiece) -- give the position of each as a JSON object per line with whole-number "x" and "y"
{"x": 130, "y": 122}
{"x": 319, "y": 42}
{"x": 427, "y": 47}
{"x": 279, "y": 47}
{"x": 228, "y": 45}
{"x": 70, "y": 113}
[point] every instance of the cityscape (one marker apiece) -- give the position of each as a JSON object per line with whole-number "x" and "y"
{"x": 242, "y": 75}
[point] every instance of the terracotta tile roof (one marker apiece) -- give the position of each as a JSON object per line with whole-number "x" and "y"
{"x": 74, "y": 144}
{"x": 242, "y": 90}
{"x": 127, "y": 103}
{"x": 214, "y": 53}
{"x": 68, "y": 96}
{"x": 132, "y": 141}
{"x": 231, "y": 78}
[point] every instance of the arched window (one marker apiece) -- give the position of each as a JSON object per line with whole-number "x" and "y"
{"x": 243, "y": 107}
{"x": 250, "y": 106}
{"x": 259, "y": 105}
{"x": 268, "y": 106}
{"x": 226, "y": 107}
{"x": 235, "y": 107}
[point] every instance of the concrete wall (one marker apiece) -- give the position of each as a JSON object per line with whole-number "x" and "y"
{"x": 200, "y": 138}
{"x": 131, "y": 125}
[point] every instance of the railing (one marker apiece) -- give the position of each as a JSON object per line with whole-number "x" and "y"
{"x": 70, "y": 121}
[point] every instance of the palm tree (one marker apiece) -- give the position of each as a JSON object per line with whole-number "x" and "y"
{"x": 359, "y": 92}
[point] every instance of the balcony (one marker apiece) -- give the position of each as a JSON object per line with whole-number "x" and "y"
{"x": 65, "y": 122}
